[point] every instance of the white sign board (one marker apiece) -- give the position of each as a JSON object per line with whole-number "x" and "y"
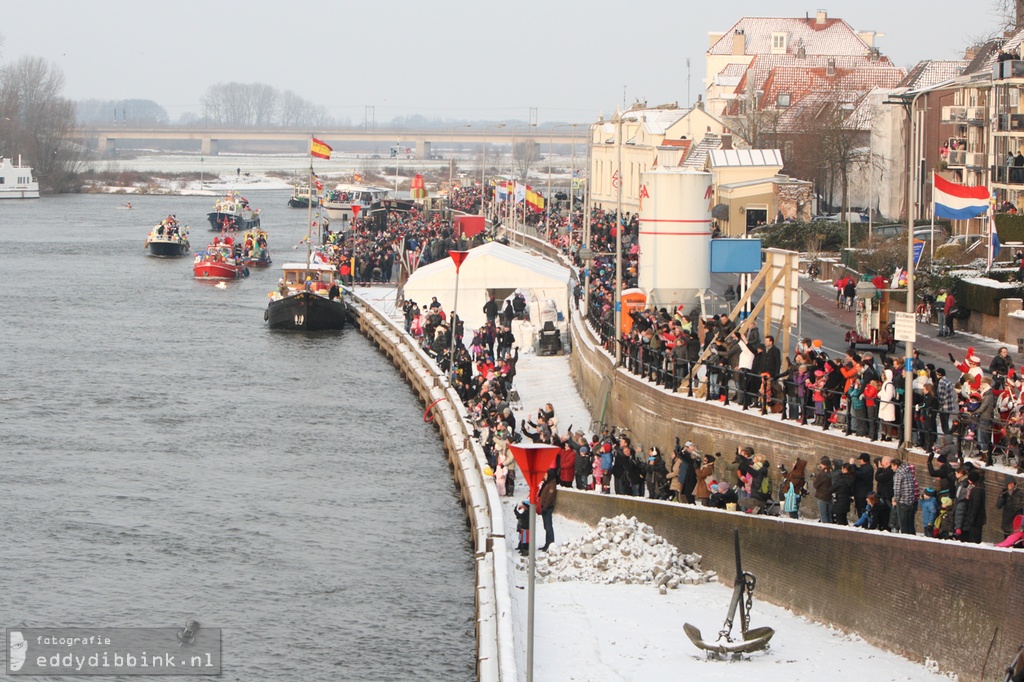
{"x": 906, "y": 327}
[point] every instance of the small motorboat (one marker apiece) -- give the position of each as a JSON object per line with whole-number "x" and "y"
{"x": 231, "y": 213}
{"x": 168, "y": 239}
{"x": 308, "y": 298}
{"x": 222, "y": 259}
{"x": 255, "y": 253}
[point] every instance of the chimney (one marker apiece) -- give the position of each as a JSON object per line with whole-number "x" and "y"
{"x": 821, "y": 18}
{"x": 873, "y": 54}
{"x": 726, "y": 141}
{"x": 801, "y": 52}
{"x": 739, "y": 42}
{"x": 700, "y": 102}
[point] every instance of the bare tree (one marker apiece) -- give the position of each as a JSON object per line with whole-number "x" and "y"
{"x": 525, "y": 153}
{"x": 296, "y": 112}
{"x": 37, "y": 122}
{"x": 242, "y": 105}
{"x": 758, "y": 126}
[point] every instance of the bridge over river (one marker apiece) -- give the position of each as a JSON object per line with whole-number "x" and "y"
{"x": 105, "y": 140}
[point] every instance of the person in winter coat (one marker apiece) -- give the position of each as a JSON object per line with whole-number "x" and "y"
{"x": 794, "y": 487}
{"x": 887, "y": 406}
{"x": 869, "y": 519}
{"x": 929, "y": 506}
{"x": 566, "y": 465}
{"x": 863, "y": 481}
{"x": 1011, "y": 501}
{"x": 984, "y": 413}
{"x": 701, "y": 492}
{"x": 974, "y": 523}
{"x": 842, "y": 496}
{"x": 690, "y": 460}
{"x": 546, "y": 499}
{"x": 870, "y": 393}
{"x": 656, "y": 475}
{"x": 960, "y": 502}
{"x": 584, "y": 467}
{"x": 606, "y": 467}
{"x": 823, "y": 490}
{"x": 760, "y": 485}
{"x": 674, "y": 471}
{"x": 945, "y": 479}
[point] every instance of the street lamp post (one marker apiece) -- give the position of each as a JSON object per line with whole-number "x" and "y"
{"x": 618, "y": 247}
{"x": 483, "y": 167}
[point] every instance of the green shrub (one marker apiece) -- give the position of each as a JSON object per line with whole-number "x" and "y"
{"x": 1010, "y": 228}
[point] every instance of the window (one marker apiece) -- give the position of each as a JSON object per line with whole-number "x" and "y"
{"x": 782, "y": 100}
{"x": 778, "y": 43}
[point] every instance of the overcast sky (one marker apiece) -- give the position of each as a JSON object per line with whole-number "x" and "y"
{"x": 444, "y": 59}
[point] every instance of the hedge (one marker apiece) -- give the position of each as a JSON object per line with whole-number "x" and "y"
{"x": 1009, "y": 227}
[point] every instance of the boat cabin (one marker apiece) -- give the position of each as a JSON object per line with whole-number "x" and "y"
{"x": 320, "y": 276}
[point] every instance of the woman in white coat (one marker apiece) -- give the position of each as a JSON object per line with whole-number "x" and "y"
{"x": 887, "y": 407}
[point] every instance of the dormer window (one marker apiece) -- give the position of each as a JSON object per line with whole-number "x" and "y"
{"x": 782, "y": 100}
{"x": 778, "y": 43}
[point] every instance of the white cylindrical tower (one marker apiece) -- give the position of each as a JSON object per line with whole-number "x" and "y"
{"x": 675, "y": 235}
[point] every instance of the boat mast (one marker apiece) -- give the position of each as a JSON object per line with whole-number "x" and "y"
{"x": 309, "y": 213}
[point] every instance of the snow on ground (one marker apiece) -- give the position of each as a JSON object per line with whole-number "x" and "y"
{"x": 588, "y": 631}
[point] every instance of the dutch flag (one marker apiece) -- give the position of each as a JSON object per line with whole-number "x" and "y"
{"x": 958, "y": 202}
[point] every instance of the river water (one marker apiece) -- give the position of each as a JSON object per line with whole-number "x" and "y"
{"x": 166, "y": 457}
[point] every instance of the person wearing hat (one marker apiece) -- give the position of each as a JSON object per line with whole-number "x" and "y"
{"x": 975, "y": 518}
{"x": 1011, "y": 502}
{"x": 702, "y": 492}
{"x": 656, "y": 475}
{"x": 951, "y": 310}
{"x": 929, "y": 506}
{"x": 942, "y": 472}
{"x": 940, "y": 311}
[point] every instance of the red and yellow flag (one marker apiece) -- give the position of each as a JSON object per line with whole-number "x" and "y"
{"x": 320, "y": 149}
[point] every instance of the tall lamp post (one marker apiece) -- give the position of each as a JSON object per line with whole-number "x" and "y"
{"x": 451, "y": 153}
{"x": 457, "y": 258}
{"x": 534, "y": 460}
{"x": 618, "y": 245}
{"x": 483, "y": 166}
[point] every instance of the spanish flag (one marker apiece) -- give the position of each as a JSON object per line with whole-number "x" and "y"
{"x": 320, "y": 149}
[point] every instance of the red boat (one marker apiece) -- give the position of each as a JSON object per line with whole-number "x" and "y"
{"x": 220, "y": 261}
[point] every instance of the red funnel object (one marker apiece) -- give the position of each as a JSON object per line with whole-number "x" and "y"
{"x": 534, "y": 460}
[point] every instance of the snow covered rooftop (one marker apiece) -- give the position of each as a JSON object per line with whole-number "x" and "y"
{"x": 830, "y": 37}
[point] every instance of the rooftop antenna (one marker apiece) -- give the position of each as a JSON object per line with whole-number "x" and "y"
{"x": 623, "y": 97}
{"x": 688, "y": 82}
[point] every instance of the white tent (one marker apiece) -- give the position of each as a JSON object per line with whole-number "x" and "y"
{"x": 491, "y": 268}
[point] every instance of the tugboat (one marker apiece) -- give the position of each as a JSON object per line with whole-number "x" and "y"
{"x": 301, "y": 196}
{"x": 220, "y": 260}
{"x": 168, "y": 239}
{"x": 232, "y": 212}
{"x": 255, "y": 253}
{"x": 308, "y": 299}
{"x": 16, "y": 181}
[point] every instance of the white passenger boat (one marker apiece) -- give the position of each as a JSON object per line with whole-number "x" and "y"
{"x": 16, "y": 181}
{"x": 339, "y": 202}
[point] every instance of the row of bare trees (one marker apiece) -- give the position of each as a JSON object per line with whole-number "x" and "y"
{"x": 257, "y": 105}
{"x": 37, "y": 122}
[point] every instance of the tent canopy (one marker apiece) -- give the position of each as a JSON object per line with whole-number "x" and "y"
{"x": 491, "y": 268}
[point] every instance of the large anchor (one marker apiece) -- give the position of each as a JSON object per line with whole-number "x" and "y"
{"x": 753, "y": 640}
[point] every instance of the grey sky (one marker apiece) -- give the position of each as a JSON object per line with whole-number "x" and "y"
{"x": 439, "y": 58}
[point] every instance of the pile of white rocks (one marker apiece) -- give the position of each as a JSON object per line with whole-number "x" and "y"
{"x": 622, "y": 550}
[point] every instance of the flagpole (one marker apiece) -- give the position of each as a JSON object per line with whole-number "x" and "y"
{"x": 932, "y": 255}
{"x": 309, "y": 208}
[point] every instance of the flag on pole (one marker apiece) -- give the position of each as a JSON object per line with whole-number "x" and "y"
{"x": 320, "y": 149}
{"x": 993, "y": 236}
{"x": 958, "y": 202}
{"x": 520, "y": 195}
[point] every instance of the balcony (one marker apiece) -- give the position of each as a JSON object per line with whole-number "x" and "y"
{"x": 1010, "y": 123}
{"x": 957, "y": 158}
{"x": 1012, "y": 68}
{"x": 974, "y": 160}
{"x": 1007, "y": 175}
{"x": 975, "y": 116}
{"x": 954, "y": 115}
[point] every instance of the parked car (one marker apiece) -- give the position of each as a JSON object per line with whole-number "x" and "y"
{"x": 973, "y": 243}
{"x": 888, "y": 231}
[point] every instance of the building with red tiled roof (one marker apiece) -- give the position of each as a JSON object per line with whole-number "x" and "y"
{"x": 731, "y": 53}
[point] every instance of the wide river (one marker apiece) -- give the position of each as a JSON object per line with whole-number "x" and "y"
{"x": 167, "y": 457}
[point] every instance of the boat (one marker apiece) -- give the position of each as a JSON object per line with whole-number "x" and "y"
{"x": 308, "y": 298}
{"x": 300, "y": 197}
{"x": 168, "y": 239}
{"x": 222, "y": 259}
{"x": 16, "y": 181}
{"x": 232, "y": 212}
{"x": 339, "y": 202}
{"x": 255, "y": 253}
